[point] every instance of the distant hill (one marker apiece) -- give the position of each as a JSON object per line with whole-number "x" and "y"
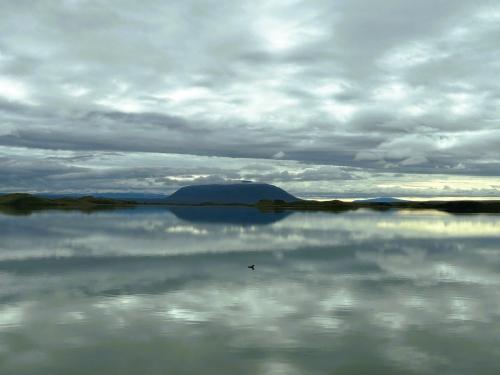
{"x": 381, "y": 200}
{"x": 240, "y": 193}
{"x": 123, "y": 196}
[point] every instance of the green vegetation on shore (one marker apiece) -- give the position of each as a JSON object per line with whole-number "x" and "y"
{"x": 26, "y": 203}
{"x": 463, "y": 206}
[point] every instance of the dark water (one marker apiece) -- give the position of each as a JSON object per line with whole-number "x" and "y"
{"x": 152, "y": 291}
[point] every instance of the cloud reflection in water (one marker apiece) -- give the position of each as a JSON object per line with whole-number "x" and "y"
{"x": 148, "y": 291}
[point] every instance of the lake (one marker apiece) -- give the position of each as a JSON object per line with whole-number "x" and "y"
{"x": 167, "y": 291}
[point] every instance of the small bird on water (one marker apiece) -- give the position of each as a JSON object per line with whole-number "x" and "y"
{"x": 252, "y": 267}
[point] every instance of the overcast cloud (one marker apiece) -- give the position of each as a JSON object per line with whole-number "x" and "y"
{"x": 320, "y": 97}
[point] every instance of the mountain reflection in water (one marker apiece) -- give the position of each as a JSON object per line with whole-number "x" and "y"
{"x": 227, "y": 215}
{"x": 159, "y": 291}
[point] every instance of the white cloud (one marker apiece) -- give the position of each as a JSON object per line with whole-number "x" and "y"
{"x": 279, "y": 155}
{"x": 14, "y": 90}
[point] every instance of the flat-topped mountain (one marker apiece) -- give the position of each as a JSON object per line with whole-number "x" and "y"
{"x": 239, "y": 193}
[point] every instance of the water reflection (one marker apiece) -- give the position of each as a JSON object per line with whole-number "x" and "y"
{"x": 227, "y": 215}
{"x": 152, "y": 291}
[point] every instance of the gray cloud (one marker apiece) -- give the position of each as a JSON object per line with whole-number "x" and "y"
{"x": 382, "y": 87}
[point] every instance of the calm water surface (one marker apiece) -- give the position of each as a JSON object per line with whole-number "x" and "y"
{"x": 157, "y": 291}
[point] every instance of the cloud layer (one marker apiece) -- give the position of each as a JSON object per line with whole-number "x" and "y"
{"x": 345, "y": 90}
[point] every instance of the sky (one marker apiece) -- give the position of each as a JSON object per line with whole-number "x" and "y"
{"x": 322, "y": 98}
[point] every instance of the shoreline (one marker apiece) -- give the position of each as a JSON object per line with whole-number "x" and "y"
{"x": 21, "y": 202}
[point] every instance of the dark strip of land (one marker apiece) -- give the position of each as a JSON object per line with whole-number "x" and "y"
{"x": 21, "y": 203}
{"x": 27, "y": 203}
{"x": 462, "y": 206}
